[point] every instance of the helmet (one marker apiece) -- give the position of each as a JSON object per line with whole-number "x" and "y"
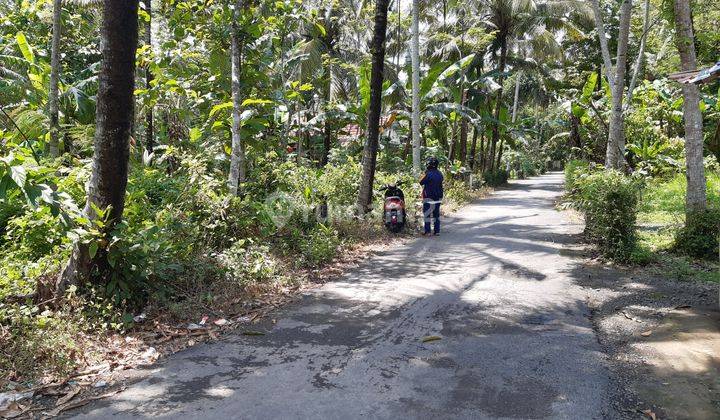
{"x": 433, "y": 163}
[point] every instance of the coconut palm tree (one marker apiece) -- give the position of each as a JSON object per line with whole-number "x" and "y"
{"x": 53, "y": 145}
{"x": 513, "y": 20}
{"x": 377, "y": 48}
{"x": 415, "y": 58}
{"x": 114, "y": 117}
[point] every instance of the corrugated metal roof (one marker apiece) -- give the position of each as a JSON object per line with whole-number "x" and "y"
{"x": 697, "y": 76}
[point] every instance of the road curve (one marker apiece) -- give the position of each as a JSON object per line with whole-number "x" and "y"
{"x": 516, "y": 340}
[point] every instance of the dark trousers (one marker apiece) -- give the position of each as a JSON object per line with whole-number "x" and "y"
{"x": 431, "y": 210}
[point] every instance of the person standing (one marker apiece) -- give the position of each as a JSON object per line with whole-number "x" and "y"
{"x": 432, "y": 195}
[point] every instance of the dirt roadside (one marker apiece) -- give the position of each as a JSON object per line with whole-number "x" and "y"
{"x": 663, "y": 337}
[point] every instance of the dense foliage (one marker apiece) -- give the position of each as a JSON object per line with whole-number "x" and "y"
{"x": 608, "y": 200}
{"x": 507, "y": 89}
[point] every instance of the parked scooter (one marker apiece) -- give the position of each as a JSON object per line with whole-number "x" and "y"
{"x": 394, "y": 207}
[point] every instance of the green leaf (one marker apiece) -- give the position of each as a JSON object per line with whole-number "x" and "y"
{"x": 578, "y": 110}
{"x": 429, "y": 81}
{"x": 195, "y": 134}
{"x": 217, "y": 108}
{"x": 4, "y": 186}
{"x": 254, "y": 101}
{"x": 457, "y": 66}
{"x": 25, "y": 47}
{"x": 19, "y": 175}
{"x": 92, "y": 249}
{"x": 589, "y": 86}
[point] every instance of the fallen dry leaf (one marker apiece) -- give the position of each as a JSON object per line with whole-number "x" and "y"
{"x": 220, "y": 322}
{"x": 79, "y": 403}
{"x": 67, "y": 397}
{"x": 650, "y": 414}
{"x": 13, "y": 410}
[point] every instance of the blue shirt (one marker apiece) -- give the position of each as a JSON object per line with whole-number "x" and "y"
{"x": 432, "y": 185}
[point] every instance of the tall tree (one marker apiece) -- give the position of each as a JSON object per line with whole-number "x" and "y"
{"x": 237, "y": 154}
{"x": 54, "y": 144}
{"x": 640, "y": 60}
{"x": 415, "y": 52}
{"x": 614, "y": 155}
{"x": 604, "y": 49}
{"x": 329, "y": 40}
{"x": 513, "y": 20}
{"x": 377, "y": 49}
{"x": 696, "y": 196}
{"x": 149, "y": 126}
{"x": 114, "y": 118}
{"x": 516, "y": 98}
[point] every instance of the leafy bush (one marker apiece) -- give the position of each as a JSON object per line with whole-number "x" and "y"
{"x": 495, "y": 177}
{"x": 319, "y": 246}
{"x": 245, "y": 262}
{"x": 699, "y": 236}
{"x": 36, "y": 343}
{"x": 525, "y": 163}
{"x": 609, "y": 199}
{"x": 573, "y": 170}
{"x": 457, "y": 191}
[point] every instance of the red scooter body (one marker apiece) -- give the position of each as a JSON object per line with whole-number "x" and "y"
{"x": 394, "y": 208}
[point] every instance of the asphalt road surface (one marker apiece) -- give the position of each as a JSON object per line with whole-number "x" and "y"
{"x": 515, "y": 335}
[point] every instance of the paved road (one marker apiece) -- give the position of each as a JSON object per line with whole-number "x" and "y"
{"x": 516, "y": 338}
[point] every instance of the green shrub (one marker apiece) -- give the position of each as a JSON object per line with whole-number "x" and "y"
{"x": 244, "y": 262}
{"x": 458, "y": 191}
{"x": 699, "y": 236}
{"x": 609, "y": 199}
{"x": 318, "y": 246}
{"x": 36, "y": 343}
{"x": 573, "y": 170}
{"x": 495, "y": 177}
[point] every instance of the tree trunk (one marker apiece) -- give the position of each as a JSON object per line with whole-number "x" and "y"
{"x": 327, "y": 136}
{"x": 329, "y": 41}
{"x": 614, "y": 155}
{"x": 473, "y": 147}
{"x": 462, "y": 152}
{"x": 641, "y": 55}
{"x": 483, "y": 160}
{"x": 714, "y": 144}
{"x": 605, "y": 50}
{"x": 516, "y": 99}
{"x": 149, "y": 128}
{"x": 114, "y": 116}
{"x": 398, "y": 28}
{"x": 452, "y": 143}
{"x": 54, "y": 144}
{"x": 237, "y": 155}
{"x": 377, "y": 49}
{"x": 575, "y": 139}
{"x": 696, "y": 197}
{"x": 498, "y": 105}
{"x": 500, "y": 153}
{"x": 415, "y": 56}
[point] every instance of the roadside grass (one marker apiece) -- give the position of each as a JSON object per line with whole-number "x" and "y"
{"x": 661, "y": 213}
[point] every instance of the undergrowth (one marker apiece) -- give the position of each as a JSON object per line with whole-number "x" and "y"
{"x": 184, "y": 249}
